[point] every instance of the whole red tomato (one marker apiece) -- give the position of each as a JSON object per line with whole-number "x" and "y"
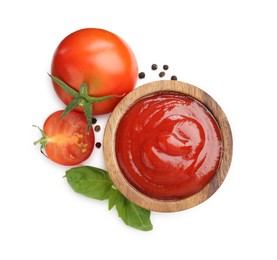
{"x": 101, "y": 60}
{"x": 66, "y": 140}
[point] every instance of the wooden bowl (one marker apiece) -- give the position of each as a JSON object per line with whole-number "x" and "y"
{"x": 111, "y": 159}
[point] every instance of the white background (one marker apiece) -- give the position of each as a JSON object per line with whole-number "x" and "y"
{"x": 227, "y": 48}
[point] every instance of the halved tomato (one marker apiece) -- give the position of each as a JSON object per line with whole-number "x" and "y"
{"x": 66, "y": 140}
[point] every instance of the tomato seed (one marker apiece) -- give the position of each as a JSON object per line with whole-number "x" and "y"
{"x": 154, "y": 66}
{"x": 141, "y": 75}
{"x": 97, "y": 128}
{"x": 98, "y": 145}
{"x": 162, "y": 74}
{"x": 173, "y": 77}
{"x": 165, "y": 67}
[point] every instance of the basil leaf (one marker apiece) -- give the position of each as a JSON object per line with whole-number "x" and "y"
{"x": 131, "y": 214}
{"x": 114, "y": 197}
{"x": 137, "y": 217}
{"x": 90, "y": 181}
{"x": 96, "y": 183}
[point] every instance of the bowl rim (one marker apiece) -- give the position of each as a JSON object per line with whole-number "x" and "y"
{"x": 110, "y": 154}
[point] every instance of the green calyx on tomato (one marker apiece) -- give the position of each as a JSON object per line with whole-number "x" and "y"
{"x": 81, "y": 98}
{"x": 42, "y": 141}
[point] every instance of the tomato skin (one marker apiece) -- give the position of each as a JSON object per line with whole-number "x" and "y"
{"x": 68, "y": 141}
{"x": 98, "y": 58}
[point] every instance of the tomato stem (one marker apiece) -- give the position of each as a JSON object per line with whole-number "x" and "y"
{"x": 81, "y": 98}
{"x": 42, "y": 141}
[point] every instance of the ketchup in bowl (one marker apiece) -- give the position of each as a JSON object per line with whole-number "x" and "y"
{"x": 168, "y": 145}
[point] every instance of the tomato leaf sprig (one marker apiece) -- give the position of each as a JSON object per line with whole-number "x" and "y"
{"x": 96, "y": 183}
{"x": 80, "y": 98}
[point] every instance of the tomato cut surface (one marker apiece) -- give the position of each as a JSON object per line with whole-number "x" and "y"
{"x": 67, "y": 140}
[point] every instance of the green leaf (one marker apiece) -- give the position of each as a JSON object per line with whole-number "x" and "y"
{"x": 138, "y": 217}
{"x": 131, "y": 214}
{"x": 114, "y": 197}
{"x": 90, "y": 181}
{"x": 96, "y": 183}
{"x": 122, "y": 209}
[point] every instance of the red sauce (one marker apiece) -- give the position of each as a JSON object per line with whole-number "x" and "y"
{"x": 168, "y": 145}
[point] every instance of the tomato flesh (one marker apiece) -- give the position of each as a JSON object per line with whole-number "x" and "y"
{"x": 68, "y": 141}
{"x": 98, "y": 58}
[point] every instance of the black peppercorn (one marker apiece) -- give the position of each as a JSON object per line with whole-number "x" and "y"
{"x": 173, "y": 77}
{"x": 93, "y": 120}
{"x": 97, "y": 128}
{"x": 98, "y": 145}
{"x": 154, "y": 66}
{"x": 165, "y": 67}
{"x": 162, "y": 74}
{"x": 141, "y": 75}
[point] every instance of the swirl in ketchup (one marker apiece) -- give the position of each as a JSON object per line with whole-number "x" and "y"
{"x": 168, "y": 145}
